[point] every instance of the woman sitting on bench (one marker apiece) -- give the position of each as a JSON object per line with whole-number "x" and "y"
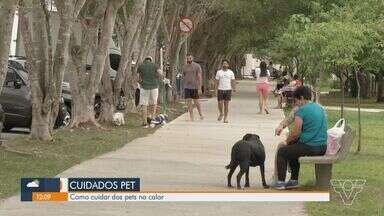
{"x": 307, "y": 138}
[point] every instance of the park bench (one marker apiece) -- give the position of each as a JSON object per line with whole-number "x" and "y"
{"x": 323, "y": 164}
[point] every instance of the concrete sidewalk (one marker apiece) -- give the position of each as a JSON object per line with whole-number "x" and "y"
{"x": 180, "y": 156}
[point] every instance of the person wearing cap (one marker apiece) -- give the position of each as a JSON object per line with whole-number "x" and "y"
{"x": 148, "y": 78}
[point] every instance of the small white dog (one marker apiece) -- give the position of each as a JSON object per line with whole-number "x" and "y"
{"x": 118, "y": 119}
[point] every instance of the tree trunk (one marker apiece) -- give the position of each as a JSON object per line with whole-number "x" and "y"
{"x": 82, "y": 104}
{"x": 82, "y": 110}
{"x": 7, "y": 12}
{"x": 380, "y": 87}
{"x": 130, "y": 31}
{"x": 318, "y": 84}
{"x": 102, "y": 48}
{"x": 65, "y": 10}
{"x": 129, "y": 91}
{"x": 101, "y": 32}
{"x": 342, "y": 86}
{"x": 317, "y": 92}
{"x": 35, "y": 29}
{"x": 40, "y": 124}
{"x": 106, "y": 94}
{"x": 359, "y": 112}
{"x": 154, "y": 13}
{"x": 45, "y": 71}
{"x": 176, "y": 64}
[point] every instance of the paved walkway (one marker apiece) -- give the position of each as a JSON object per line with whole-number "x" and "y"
{"x": 181, "y": 155}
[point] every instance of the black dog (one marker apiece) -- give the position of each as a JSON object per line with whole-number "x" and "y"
{"x": 247, "y": 152}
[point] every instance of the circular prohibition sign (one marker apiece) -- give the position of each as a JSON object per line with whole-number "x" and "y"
{"x": 186, "y": 24}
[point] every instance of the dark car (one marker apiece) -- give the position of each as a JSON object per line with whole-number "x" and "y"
{"x": 15, "y": 100}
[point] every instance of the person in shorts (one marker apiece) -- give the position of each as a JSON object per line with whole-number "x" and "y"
{"x": 192, "y": 85}
{"x": 226, "y": 83}
{"x": 262, "y": 87}
{"x": 148, "y": 77}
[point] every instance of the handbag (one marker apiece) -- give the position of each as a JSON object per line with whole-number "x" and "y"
{"x": 334, "y": 137}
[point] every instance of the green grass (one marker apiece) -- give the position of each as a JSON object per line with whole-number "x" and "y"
{"x": 325, "y": 86}
{"x": 335, "y": 100}
{"x": 368, "y": 165}
{"x": 24, "y": 157}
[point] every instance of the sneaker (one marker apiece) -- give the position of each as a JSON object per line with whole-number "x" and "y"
{"x": 145, "y": 125}
{"x": 292, "y": 184}
{"x": 279, "y": 185}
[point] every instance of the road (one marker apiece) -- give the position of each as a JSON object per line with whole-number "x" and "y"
{"x": 180, "y": 156}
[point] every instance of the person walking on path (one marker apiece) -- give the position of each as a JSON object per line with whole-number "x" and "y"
{"x": 226, "y": 83}
{"x": 192, "y": 85}
{"x": 262, "y": 87}
{"x": 308, "y": 138}
{"x": 148, "y": 79}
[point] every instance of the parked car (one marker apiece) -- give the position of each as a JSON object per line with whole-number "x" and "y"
{"x": 15, "y": 100}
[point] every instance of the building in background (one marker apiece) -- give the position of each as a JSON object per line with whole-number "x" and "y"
{"x": 251, "y": 66}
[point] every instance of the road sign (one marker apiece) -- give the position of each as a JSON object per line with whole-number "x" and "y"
{"x": 186, "y": 25}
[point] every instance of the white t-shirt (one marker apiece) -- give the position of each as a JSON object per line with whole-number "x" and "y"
{"x": 225, "y": 78}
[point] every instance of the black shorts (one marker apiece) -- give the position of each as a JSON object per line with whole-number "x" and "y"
{"x": 224, "y": 95}
{"x": 191, "y": 94}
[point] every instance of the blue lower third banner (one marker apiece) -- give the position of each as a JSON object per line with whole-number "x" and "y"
{"x": 129, "y": 190}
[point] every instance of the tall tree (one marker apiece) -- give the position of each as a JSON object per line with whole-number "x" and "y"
{"x": 46, "y": 68}
{"x": 68, "y": 12}
{"x": 7, "y": 11}
{"x": 98, "y": 21}
{"x": 129, "y": 20}
{"x": 153, "y": 17}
